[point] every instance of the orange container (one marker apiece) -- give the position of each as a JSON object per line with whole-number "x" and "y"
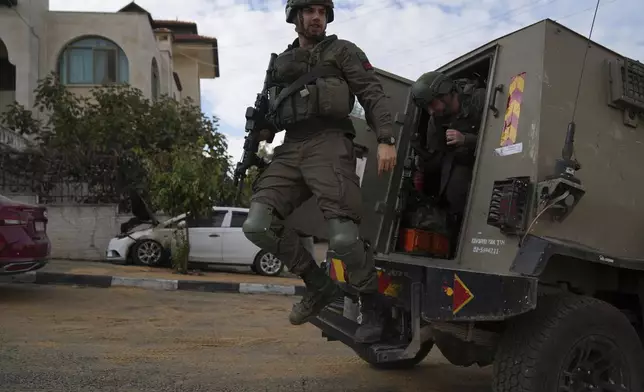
{"x": 422, "y": 241}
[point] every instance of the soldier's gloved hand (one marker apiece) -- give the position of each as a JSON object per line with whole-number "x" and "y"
{"x": 386, "y": 157}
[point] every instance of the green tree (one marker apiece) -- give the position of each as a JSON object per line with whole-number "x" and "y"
{"x": 167, "y": 150}
{"x": 186, "y": 180}
{"x": 105, "y": 136}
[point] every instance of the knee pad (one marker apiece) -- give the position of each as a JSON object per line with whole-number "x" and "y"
{"x": 257, "y": 226}
{"x": 344, "y": 234}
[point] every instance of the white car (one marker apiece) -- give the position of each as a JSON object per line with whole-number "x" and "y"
{"x": 219, "y": 240}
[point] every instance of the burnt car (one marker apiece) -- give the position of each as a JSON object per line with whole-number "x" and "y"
{"x": 24, "y": 244}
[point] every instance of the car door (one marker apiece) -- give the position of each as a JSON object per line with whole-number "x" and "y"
{"x": 206, "y": 238}
{"x": 237, "y": 249}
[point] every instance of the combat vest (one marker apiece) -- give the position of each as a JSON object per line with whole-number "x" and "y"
{"x": 310, "y": 85}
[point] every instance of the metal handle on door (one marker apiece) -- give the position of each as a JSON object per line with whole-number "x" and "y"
{"x": 213, "y": 235}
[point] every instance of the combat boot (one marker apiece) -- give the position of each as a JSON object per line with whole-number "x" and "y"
{"x": 372, "y": 323}
{"x": 320, "y": 292}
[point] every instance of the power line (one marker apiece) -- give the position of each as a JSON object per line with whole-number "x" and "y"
{"x": 470, "y": 29}
{"x": 290, "y": 36}
{"x": 452, "y": 33}
{"x": 448, "y": 36}
{"x": 457, "y": 33}
{"x": 433, "y": 58}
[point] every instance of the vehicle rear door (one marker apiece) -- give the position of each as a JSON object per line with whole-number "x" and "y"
{"x": 206, "y": 237}
{"x": 380, "y": 192}
{"x": 237, "y": 249}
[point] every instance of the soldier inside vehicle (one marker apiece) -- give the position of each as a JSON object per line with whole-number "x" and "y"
{"x": 443, "y": 152}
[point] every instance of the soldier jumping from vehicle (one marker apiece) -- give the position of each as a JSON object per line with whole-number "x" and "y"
{"x": 318, "y": 78}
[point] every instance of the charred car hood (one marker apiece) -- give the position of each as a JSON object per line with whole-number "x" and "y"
{"x": 141, "y": 210}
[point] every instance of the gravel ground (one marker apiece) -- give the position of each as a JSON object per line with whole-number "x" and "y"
{"x": 67, "y": 339}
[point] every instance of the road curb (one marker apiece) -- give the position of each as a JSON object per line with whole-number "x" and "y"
{"x": 106, "y": 281}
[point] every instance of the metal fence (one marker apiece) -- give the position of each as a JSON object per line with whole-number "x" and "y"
{"x": 57, "y": 180}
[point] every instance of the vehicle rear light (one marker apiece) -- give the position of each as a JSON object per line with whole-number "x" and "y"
{"x": 11, "y": 217}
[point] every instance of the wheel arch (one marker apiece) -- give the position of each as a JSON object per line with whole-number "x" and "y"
{"x": 568, "y": 266}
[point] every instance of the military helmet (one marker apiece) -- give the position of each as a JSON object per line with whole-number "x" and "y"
{"x": 429, "y": 86}
{"x": 293, "y": 5}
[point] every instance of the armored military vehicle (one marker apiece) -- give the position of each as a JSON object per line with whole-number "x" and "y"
{"x": 547, "y": 281}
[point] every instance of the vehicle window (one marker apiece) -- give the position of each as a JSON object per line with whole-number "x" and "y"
{"x": 216, "y": 220}
{"x": 238, "y": 219}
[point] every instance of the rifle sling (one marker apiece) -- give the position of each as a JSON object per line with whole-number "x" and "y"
{"x": 318, "y": 71}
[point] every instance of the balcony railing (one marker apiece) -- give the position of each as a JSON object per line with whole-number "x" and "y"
{"x": 11, "y": 139}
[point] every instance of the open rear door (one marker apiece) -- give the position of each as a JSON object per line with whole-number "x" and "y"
{"x": 380, "y": 192}
{"x": 308, "y": 218}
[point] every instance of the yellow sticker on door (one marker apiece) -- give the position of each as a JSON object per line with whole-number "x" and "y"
{"x": 513, "y": 110}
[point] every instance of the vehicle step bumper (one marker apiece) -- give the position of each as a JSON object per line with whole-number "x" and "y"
{"x": 336, "y": 327}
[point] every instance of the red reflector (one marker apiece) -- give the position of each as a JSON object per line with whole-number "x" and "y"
{"x": 384, "y": 281}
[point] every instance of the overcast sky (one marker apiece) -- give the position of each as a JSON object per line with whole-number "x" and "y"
{"x": 405, "y": 37}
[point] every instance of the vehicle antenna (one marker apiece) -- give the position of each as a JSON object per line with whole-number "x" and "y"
{"x": 568, "y": 149}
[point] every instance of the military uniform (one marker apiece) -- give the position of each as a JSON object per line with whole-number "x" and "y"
{"x": 316, "y": 92}
{"x": 447, "y": 169}
{"x": 454, "y": 163}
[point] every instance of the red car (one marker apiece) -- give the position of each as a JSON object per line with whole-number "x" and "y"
{"x": 24, "y": 245}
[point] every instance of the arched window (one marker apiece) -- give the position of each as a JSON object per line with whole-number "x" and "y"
{"x": 155, "y": 79}
{"x": 93, "y": 60}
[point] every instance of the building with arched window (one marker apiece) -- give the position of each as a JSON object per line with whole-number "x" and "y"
{"x": 90, "y": 49}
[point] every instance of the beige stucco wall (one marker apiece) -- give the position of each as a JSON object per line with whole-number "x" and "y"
{"x": 35, "y": 37}
{"x": 188, "y": 71}
{"x": 130, "y": 31}
{"x": 35, "y": 52}
{"x": 21, "y": 30}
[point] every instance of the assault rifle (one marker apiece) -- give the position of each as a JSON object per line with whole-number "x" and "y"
{"x": 255, "y": 121}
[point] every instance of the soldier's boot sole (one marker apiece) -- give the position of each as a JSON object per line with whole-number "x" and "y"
{"x": 304, "y": 310}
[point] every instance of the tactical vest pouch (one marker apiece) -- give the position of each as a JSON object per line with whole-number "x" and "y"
{"x": 297, "y": 107}
{"x": 334, "y": 99}
{"x": 300, "y": 100}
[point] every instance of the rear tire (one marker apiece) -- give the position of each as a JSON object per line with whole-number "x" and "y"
{"x": 540, "y": 351}
{"x": 403, "y": 364}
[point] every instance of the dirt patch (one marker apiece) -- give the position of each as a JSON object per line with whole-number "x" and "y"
{"x": 61, "y": 338}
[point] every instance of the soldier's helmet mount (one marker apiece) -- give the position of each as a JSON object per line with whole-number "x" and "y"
{"x": 292, "y": 6}
{"x": 429, "y": 86}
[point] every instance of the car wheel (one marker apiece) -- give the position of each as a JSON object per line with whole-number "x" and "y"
{"x": 148, "y": 252}
{"x": 569, "y": 343}
{"x": 267, "y": 264}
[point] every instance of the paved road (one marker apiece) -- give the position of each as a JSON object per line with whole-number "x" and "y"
{"x": 85, "y": 339}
